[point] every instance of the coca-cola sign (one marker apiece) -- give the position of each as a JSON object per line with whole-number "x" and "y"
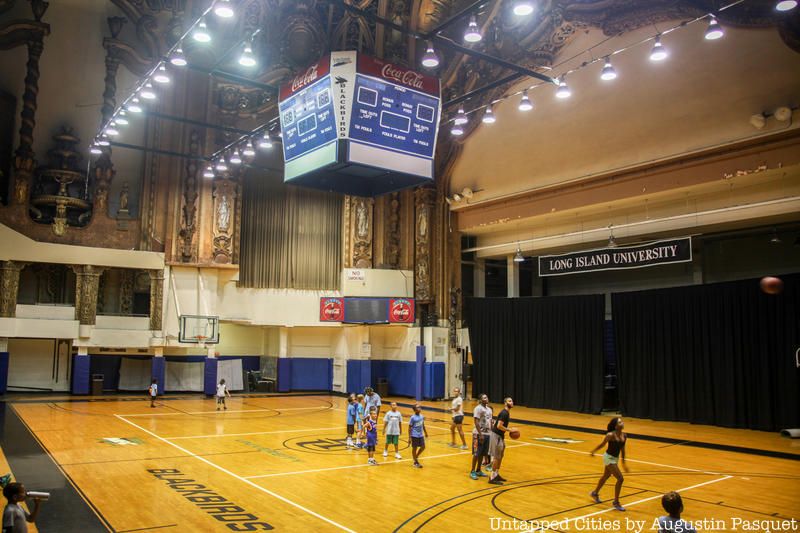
{"x": 401, "y": 75}
{"x": 304, "y": 79}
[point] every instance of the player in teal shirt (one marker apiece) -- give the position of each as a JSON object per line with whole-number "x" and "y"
{"x": 416, "y": 434}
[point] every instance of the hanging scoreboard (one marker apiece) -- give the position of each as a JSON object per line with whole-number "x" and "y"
{"x": 359, "y": 125}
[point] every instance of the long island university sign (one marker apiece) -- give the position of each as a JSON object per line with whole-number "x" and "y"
{"x": 622, "y": 258}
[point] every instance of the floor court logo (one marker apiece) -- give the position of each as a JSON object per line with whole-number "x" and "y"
{"x": 332, "y": 446}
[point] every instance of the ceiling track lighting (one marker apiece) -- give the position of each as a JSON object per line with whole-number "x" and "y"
{"x": 265, "y": 141}
{"x": 658, "y": 53}
{"x": 147, "y": 92}
{"x": 161, "y": 75}
{"x": 223, "y": 9}
{"x": 523, "y": 8}
{"x": 236, "y": 158}
{"x": 473, "y": 33}
{"x": 714, "y": 30}
{"x": 786, "y": 5}
{"x": 608, "y": 73}
{"x": 525, "y": 103}
{"x": 247, "y": 59}
{"x": 121, "y": 118}
{"x": 461, "y": 117}
{"x": 488, "y": 116}
{"x": 178, "y": 59}
{"x": 221, "y": 166}
{"x": 134, "y": 106}
{"x": 208, "y": 172}
{"x": 563, "y": 89}
{"x": 201, "y": 34}
{"x": 248, "y": 150}
{"x": 429, "y": 58}
{"x": 518, "y": 257}
{"x": 95, "y": 149}
{"x": 103, "y": 141}
{"x": 457, "y": 130}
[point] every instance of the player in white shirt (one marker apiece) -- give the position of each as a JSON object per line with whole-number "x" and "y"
{"x": 457, "y": 410}
{"x": 153, "y": 391}
{"x": 222, "y": 391}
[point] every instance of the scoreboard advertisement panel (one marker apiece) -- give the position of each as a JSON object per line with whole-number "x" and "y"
{"x": 359, "y": 125}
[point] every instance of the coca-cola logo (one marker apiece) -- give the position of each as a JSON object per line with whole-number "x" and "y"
{"x": 401, "y": 311}
{"x": 304, "y": 79}
{"x": 406, "y": 77}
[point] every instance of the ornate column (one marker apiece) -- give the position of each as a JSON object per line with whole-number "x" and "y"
{"x": 423, "y": 211}
{"x": 361, "y": 225}
{"x": 9, "y": 287}
{"x": 126, "y": 292}
{"x": 87, "y": 283}
{"x": 187, "y": 251}
{"x": 156, "y": 299}
{"x": 24, "y": 157}
{"x": 392, "y": 241}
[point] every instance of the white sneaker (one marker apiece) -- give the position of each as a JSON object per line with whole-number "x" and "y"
{"x": 385, "y": 453}
{"x": 398, "y": 456}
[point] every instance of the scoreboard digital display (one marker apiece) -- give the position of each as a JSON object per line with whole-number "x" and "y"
{"x": 359, "y": 125}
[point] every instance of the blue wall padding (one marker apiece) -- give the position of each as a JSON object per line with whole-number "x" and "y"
{"x": 399, "y": 374}
{"x": 419, "y": 374}
{"x": 310, "y": 373}
{"x": 3, "y": 372}
{"x": 80, "y": 374}
{"x": 359, "y": 375}
{"x": 159, "y": 367}
{"x": 284, "y": 374}
{"x": 434, "y": 381}
{"x": 210, "y": 376}
{"x": 108, "y": 365}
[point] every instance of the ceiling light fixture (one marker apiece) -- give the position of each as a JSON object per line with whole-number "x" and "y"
{"x": 608, "y": 73}
{"x": 563, "y": 89}
{"x": 161, "y": 75}
{"x": 178, "y": 59}
{"x": 786, "y": 5}
{"x": 461, "y": 117}
{"x": 95, "y": 149}
{"x": 714, "y": 30}
{"x": 134, "y": 106}
{"x": 525, "y": 103}
{"x": 147, "y": 92}
{"x": 122, "y": 118}
{"x": 488, "y": 116}
{"x": 248, "y": 150}
{"x": 473, "y": 33}
{"x": 221, "y": 166}
{"x": 208, "y": 172}
{"x": 247, "y": 59}
{"x": 518, "y": 257}
{"x": 457, "y": 130}
{"x": 429, "y": 58}
{"x": 265, "y": 141}
{"x": 523, "y": 8}
{"x": 658, "y": 53}
{"x": 223, "y": 9}
{"x": 612, "y": 242}
{"x": 236, "y": 158}
{"x": 201, "y": 34}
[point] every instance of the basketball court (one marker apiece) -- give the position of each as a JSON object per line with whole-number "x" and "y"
{"x": 280, "y": 462}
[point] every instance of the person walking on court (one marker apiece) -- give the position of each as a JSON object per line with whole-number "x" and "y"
{"x": 482, "y": 419}
{"x": 222, "y": 391}
{"x": 371, "y": 430}
{"x": 153, "y": 390}
{"x": 673, "y": 523}
{"x": 416, "y": 434}
{"x": 15, "y": 518}
{"x": 616, "y": 439}
{"x": 457, "y": 410}
{"x": 392, "y": 428}
{"x": 352, "y": 415}
{"x": 372, "y": 400}
{"x": 497, "y": 444}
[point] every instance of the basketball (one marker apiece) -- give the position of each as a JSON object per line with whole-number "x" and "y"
{"x": 514, "y": 433}
{"x": 771, "y": 285}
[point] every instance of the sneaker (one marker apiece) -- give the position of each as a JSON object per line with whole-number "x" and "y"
{"x": 373, "y": 462}
{"x": 385, "y": 453}
{"x": 463, "y": 446}
{"x": 495, "y": 481}
{"x": 595, "y": 497}
{"x": 488, "y": 468}
{"x": 398, "y": 456}
{"x": 473, "y": 475}
{"x": 618, "y": 506}
{"x": 501, "y": 478}
{"x": 417, "y": 465}
{"x": 480, "y": 474}
{"x": 5, "y": 480}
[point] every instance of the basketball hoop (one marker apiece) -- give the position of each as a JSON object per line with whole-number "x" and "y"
{"x": 201, "y": 340}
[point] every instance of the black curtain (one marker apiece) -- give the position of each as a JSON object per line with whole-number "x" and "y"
{"x": 543, "y": 352}
{"x": 721, "y": 354}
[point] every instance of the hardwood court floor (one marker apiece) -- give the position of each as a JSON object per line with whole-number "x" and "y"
{"x": 280, "y": 460}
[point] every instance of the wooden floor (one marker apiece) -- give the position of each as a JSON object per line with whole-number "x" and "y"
{"x": 281, "y": 461}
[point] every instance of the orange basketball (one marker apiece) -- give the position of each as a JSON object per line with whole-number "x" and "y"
{"x": 771, "y": 285}
{"x": 514, "y": 433}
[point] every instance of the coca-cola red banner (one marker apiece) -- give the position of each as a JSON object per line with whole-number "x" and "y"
{"x": 401, "y": 311}
{"x": 396, "y": 74}
{"x": 331, "y": 309}
{"x": 306, "y": 77}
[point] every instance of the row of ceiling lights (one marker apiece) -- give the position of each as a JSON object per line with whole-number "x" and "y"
{"x": 658, "y": 53}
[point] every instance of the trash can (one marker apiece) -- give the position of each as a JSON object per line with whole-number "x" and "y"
{"x": 382, "y": 387}
{"x": 97, "y": 384}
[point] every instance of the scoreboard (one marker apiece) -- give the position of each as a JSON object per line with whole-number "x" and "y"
{"x": 359, "y": 125}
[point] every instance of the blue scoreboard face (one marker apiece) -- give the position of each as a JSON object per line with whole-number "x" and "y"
{"x": 307, "y": 120}
{"x": 393, "y": 117}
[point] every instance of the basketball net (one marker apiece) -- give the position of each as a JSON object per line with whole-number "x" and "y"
{"x": 201, "y": 340}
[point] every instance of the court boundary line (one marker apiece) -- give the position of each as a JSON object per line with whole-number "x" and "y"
{"x": 246, "y": 434}
{"x": 230, "y": 411}
{"x": 240, "y": 478}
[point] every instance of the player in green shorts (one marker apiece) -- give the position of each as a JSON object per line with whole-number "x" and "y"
{"x": 392, "y": 428}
